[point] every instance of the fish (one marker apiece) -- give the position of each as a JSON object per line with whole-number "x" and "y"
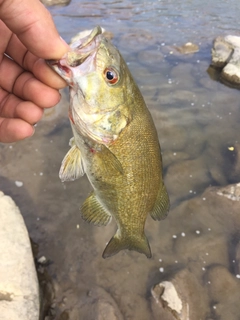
{"x": 115, "y": 143}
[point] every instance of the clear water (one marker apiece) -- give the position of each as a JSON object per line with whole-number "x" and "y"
{"x": 197, "y": 119}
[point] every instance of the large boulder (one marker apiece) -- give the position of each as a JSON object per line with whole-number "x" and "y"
{"x": 226, "y": 56}
{"x": 19, "y": 291}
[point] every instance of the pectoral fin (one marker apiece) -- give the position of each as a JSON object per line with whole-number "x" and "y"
{"x": 162, "y": 205}
{"x": 109, "y": 161}
{"x": 72, "y": 165}
{"x": 92, "y": 211}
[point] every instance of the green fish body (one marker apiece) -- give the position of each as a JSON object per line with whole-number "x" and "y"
{"x": 115, "y": 143}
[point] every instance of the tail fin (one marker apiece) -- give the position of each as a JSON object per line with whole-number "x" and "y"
{"x": 118, "y": 243}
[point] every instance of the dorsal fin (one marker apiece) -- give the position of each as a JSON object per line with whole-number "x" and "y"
{"x": 162, "y": 204}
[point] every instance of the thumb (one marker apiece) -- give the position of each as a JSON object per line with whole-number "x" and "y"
{"x": 34, "y": 26}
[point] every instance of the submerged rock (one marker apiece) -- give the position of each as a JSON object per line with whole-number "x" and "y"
{"x": 19, "y": 292}
{"x": 226, "y": 55}
{"x": 224, "y": 292}
{"x": 188, "y": 48}
{"x": 55, "y": 2}
{"x": 193, "y": 173}
{"x": 96, "y": 304}
{"x": 174, "y": 299}
{"x": 231, "y": 192}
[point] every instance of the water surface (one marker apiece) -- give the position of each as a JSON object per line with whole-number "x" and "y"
{"x": 197, "y": 119}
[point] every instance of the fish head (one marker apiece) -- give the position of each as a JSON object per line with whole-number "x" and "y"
{"x": 100, "y": 83}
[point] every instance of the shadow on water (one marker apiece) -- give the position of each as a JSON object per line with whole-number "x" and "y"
{"x": 197, "y": 119}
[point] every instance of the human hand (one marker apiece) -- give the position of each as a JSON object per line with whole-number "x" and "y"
{"x": 27, "y": 85}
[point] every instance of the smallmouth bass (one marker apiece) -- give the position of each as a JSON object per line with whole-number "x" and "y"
{"x": 114, "y": 142}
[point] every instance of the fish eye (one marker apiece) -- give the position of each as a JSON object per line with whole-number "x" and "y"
{"x": 111, "y": 75}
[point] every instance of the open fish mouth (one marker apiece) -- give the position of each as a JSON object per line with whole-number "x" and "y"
{"x": 81, "y": 50}
{"x": 84, "y": 49}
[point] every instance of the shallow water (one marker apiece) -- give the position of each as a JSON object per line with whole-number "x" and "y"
{"x": 197, "y": 119}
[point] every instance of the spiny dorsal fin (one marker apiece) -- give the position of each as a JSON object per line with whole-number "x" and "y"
{"x": 72, "y": 165}
{"x": 92, "y": 211}
{"x": 162, "y": 204}
{"x": 119, "y": 242}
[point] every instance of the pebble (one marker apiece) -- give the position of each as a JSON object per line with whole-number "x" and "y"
{"x": 18, "y": 183}
{"x": 42, "y": 260}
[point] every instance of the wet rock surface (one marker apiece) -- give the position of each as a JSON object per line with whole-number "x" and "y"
{"x": 226, "y": 55}
{"x": 174, "y": 299}
{"x": 224, "y": 290}
{"x": 208, "y": 282}
{"x": 19, "y": 292}
{"x": 97, "y": 304}
{"x": 199, "y": 235}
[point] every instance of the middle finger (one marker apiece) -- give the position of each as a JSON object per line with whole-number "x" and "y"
{"x": 23, "y": 84}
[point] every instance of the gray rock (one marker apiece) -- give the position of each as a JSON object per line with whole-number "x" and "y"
{"x": 231, "y": 192}
{"x": 184, "y": 70}
{"x": 226, "y": 55}
{"x": 150, "y": 57}
{"x": 183, "y": 178}
{"x": 233, "y": 168}
{"x": 224, "y": 291}
{"x": 170, "y": 157}
{"x": 173, "y": 299}
{"x": 138, "y": 39}
{"x": 236, "y": 261}
{"x": 172, "y": 137}
{"x": 96, "y": 304}
{"x": 226, "y": 208}
{"x": 19, "y": 292}
{"x": 221, "y": 52}
{"x": 181, "y": 98}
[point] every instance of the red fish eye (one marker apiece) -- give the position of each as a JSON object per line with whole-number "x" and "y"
{"x": 111, "y": 75}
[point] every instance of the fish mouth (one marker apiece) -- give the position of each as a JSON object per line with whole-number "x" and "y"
{"x": 82, "y": 49}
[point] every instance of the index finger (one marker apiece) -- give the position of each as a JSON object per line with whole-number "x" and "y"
{"x": 33, "y": 25}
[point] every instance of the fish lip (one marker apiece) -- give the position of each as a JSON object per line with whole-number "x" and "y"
{"x": 86, "y": 48}
{"x": 61, "y": 68}
{"x": 81, "y": 58}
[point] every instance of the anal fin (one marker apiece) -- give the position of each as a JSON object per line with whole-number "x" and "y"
{"x": 72, "y": 165}
{"x": 162, "y": 205}
{"x": 92, "y": 211}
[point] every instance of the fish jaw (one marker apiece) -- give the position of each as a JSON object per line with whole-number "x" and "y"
{"x": 63, "y": 70}
{"x": 97, "y": 108}
{"x": 80, "y": 60}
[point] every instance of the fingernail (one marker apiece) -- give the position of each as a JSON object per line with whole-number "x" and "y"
{"x": 60, "y": 97}
{"x": 33, "y": 129}
{"x": 65, "y": 43}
